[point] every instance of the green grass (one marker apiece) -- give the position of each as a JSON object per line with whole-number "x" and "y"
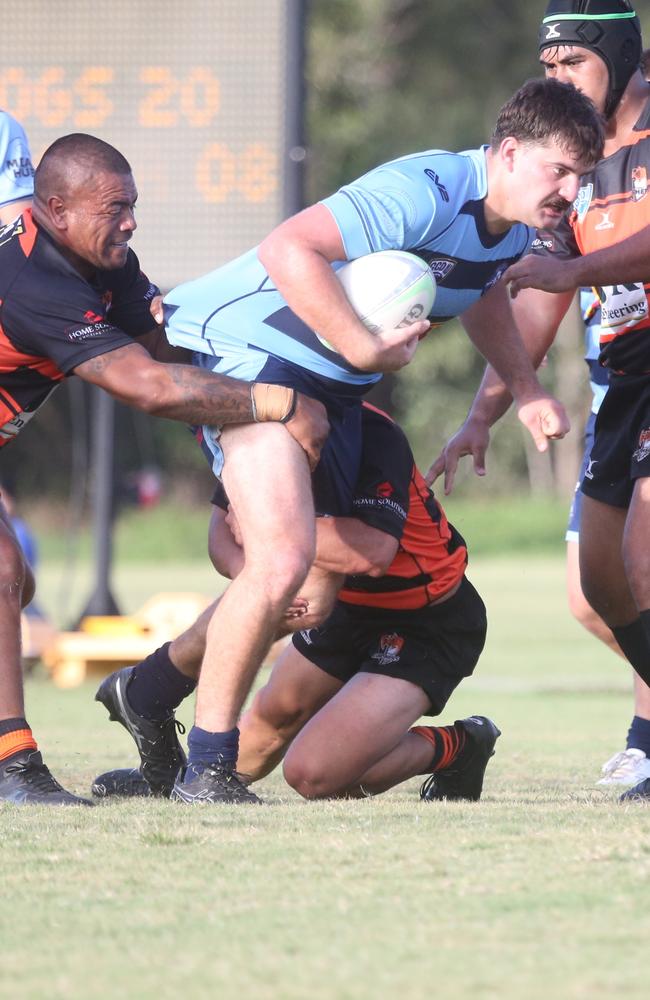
{"x": 536, "y": 892}
{"x": 170, "y": 534}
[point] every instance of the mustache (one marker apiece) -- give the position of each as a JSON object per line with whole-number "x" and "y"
{"x": 557, "y": 204}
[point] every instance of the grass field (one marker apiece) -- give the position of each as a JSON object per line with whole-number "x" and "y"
{"x": 534, "y": 892}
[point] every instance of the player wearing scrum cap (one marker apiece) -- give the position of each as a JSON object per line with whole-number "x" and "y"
{"x": 603, "y": 242}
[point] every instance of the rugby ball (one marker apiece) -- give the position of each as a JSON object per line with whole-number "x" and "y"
{"x": 388, "y": 289}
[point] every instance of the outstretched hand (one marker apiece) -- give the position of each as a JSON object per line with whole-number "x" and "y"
{"x": 472, "y": 439}
{"x": 545, "y": 273}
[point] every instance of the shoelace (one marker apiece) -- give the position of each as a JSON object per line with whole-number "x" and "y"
{"x": 36, "y": 775}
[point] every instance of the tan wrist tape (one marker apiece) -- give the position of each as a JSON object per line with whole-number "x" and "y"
{"x": 272, "y": 402}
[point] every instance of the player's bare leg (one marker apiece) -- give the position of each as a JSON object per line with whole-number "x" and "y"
{"x": 266, "y": 477}
{"x": 294, "y": 692}
{"x": 359, "y": 743}
{"x": 606, "y": 559}
{"x": 24, "y": 779}
{"x": 16, "y": 591}
{"x": 631, "y": 765}
{"x": 580, "y": 607}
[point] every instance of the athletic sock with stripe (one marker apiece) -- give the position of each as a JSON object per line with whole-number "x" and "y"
{"x": 15, "y": 737}
{"x": 448, "y": 743}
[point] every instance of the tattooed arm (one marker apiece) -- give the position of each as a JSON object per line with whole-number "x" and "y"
{"x": 194, "y": 396}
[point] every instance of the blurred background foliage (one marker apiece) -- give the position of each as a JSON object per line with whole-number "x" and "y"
{"x": 383, "y": 78}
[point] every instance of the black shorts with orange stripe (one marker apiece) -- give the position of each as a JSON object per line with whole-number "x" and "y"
{"x": 434, "y": 647}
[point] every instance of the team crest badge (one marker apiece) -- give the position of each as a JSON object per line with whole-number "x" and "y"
{"x": 639, "y": 183}
{"x": 643, "y": 451}
{"x": 583, "y": 201}
{"x": 441, "y": 267}
{"x": 390, "y": 647}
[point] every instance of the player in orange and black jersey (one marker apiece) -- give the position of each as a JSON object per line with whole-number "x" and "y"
{"x": 603, "y": 242}
{"x": 72, "y": 302}
{"x": 343, "y": 696}
{"x": 406, "y": 629}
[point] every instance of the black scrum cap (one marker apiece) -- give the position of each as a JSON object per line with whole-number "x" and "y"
{"x": 610, "y": 28}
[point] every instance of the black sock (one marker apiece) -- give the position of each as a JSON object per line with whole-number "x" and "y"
{"x": 157, "y": 687}
{"x": 634, "y": 642}
{"x": 12, "y": 725}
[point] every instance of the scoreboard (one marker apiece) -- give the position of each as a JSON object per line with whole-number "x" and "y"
{"x": 203, "y": 97}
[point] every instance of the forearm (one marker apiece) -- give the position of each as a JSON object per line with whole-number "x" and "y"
{"x": 347, "y": 545}
{"x": 307, "y": 283}
{"x": 627, "y": 261}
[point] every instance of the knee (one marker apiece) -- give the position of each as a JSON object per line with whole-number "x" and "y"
{"x": 581, "y": 609}
{"x": 307, "y": 777}
{"x": 16, "y": 578}
{"x": 636, "y": 560}
{"x": 284, "y": 572}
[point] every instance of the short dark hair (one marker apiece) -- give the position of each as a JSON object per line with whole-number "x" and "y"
{"x": 544, "y": 110}
{"x": 72, "y": 154}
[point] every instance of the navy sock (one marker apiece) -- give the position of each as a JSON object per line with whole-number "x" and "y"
{"x": 156, "y": 687}
{"x": 638, "y": 735}
{"x": 211, "y": 748}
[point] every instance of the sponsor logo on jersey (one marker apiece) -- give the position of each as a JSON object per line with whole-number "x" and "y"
{"x": 542, "y": 243}
{"x": 639, "y": 183}
{"x": 432, "y": 175}
{"x": 605, "y": 222}
{"x": 583, "y": 201}
{"x": 622, "y": 306}
{"x": 501, "y": 269}
{"x": 15, "y": 228}
{"x": 92, "y": 317}
{"x": 379, "y": 503}
{"x": 385, "y": 489}
{"x": 390, "y": 647}
{"x": 441, "y": 267}
{"x": 643, "y": 451}
{"x": 95, "y": 329}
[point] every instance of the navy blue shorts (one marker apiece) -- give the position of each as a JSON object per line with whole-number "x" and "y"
{"x": 573, "y": 527}
{"x": 621, "y": 450}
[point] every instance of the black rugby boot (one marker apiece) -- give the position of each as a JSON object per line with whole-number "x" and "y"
{"x": 463, "y": 779}
{"x": 26, "y": 781}
{"x": 217, "y": 782}
{"x": 123, "y": 782}
{"x": 161, "y": 755}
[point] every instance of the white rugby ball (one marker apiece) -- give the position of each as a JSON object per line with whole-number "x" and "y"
{"x": 388, "y": 289}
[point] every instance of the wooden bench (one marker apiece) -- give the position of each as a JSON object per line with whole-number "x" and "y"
{"x": 106, "y": 643}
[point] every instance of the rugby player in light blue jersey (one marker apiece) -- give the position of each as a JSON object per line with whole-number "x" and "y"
{"x": 468, "y": 214}
{"x": 16, "y": 170}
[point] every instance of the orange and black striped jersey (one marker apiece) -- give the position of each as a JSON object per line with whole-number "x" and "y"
{"x": 613, "y": 203}
{"x": 392, "y": 496}
{"x": 53, "y": 319}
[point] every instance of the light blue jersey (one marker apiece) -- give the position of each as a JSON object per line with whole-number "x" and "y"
{"x": 16, "y": 170}
{"x": 598, "y": 376}
{"x": 430, "y": 204}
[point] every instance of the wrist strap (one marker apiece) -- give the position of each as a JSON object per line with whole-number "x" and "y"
{"x": 272, "y": 402}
